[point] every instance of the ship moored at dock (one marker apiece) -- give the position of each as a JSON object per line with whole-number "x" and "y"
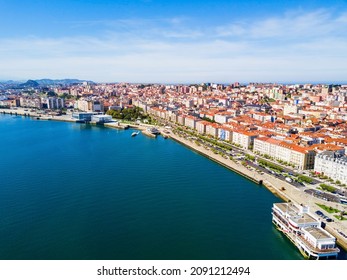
{"x": 304, "y": 231}
{"x": 151, "y": 131}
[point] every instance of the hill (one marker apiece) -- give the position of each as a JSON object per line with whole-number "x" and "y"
{"x": 29, "y": 84}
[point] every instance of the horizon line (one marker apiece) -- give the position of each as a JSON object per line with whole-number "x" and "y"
{"x": 182, "y": 83}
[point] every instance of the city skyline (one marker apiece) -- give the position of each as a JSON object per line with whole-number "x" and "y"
{"x": 174, "y": 42}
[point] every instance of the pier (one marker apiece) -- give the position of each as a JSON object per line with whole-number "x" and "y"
{"x": 147, "y": 133}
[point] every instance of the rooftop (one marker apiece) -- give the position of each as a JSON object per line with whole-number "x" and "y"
{"x": 318, "y": 233}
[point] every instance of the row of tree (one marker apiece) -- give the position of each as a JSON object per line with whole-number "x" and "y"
{"x": 129, "y": 114}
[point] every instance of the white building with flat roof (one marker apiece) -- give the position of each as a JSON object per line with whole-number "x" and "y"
{"x": 304, "y": 231}
{"x": 101, "y": 118}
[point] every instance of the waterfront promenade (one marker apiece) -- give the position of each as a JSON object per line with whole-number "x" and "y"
{"x": 35, "y": 114}
{"x": 65, "y": 118}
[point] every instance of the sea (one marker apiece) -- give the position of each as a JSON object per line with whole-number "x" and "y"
{"x": 81, "y": 192}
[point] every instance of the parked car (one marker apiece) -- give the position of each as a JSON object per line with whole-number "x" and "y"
{"x": 289, "y": 179}
{"x": 319, "y": 213}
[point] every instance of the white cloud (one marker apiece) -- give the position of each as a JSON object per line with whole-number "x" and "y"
{"x": 291, "y": 47}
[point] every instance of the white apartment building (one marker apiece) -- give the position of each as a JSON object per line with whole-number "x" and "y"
{"x": 223, "y": 117}
{"x": 90, "y": 106}
{"x": 243, "y": 138}
{"x": 190, "y": 121}
{"x": 212, "y": 129}
{"x": 225, "y": 133}
{"x": 201, "y": 126}
{"x": 260, "y": 116}
{"x": 55, "y": 103}
{"x": 180, "y": 119}
{"x": 84, "y": 105}
{"x": 333, "y": 165}
{"x": 301, "y": 157}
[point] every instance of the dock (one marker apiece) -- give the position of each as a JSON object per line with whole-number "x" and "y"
{"x": 116, "y": 125}
{"x": 149, "y": 134}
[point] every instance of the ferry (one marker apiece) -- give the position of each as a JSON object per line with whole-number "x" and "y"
{"x": 304, "y": 231}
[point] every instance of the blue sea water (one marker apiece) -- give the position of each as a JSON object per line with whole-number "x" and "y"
{"x": 75, "y": 191}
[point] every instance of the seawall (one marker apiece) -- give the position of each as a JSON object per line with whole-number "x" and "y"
{"x": 260, "y": 182}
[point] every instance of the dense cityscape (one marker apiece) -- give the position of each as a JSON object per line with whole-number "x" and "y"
{"x": 173, "y": 138}
{"x": 265, "y": 132}
{"x": 300, "y": 126}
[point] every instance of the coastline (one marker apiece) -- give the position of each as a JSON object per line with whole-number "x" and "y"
{"x": 279, "y": 188}
{"x": 272, "y": 184}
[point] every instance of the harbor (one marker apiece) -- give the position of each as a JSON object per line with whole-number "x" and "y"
{"x": 280, "y": 188}
{"x": 175, "y": 200}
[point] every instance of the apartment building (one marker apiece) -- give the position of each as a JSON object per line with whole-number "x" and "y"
{"x": 244, "y": 138}
{"x": 190, "y": 121}
{"x": 225, "y": 133}
{"x": 332, "y": 164}
{"x": 212, "y": 129}
{"x": 55, "y": 103}
{"x": 301, "y": 157}
{"x": 223, "y": 117}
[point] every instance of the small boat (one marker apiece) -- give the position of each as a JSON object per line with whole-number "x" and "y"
{"x": 135, "y": 133}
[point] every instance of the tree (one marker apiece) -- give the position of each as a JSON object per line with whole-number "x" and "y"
{"x": 305, "y": 179}
{"x": 51, "y": 94}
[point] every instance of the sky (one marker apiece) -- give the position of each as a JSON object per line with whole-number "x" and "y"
{"x": 164, "y": 41}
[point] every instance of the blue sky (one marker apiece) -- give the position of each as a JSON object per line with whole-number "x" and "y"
{"x": 174, "y": 41}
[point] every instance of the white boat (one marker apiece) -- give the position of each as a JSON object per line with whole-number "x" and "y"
{"x": 304, "y": 231}
{"x": 135, "y": 133}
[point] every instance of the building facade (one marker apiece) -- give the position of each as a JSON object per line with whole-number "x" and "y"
{"x": 333, "y": 165}
{"x": 55, "y": 103}
{"x": 301, "y": 157}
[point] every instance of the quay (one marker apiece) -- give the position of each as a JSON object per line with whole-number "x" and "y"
{"x": 238, "y": 171}
{"x": 116, "y": 125}
{"x": 64, "y": 118}
{"x": 145, "y": 132}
